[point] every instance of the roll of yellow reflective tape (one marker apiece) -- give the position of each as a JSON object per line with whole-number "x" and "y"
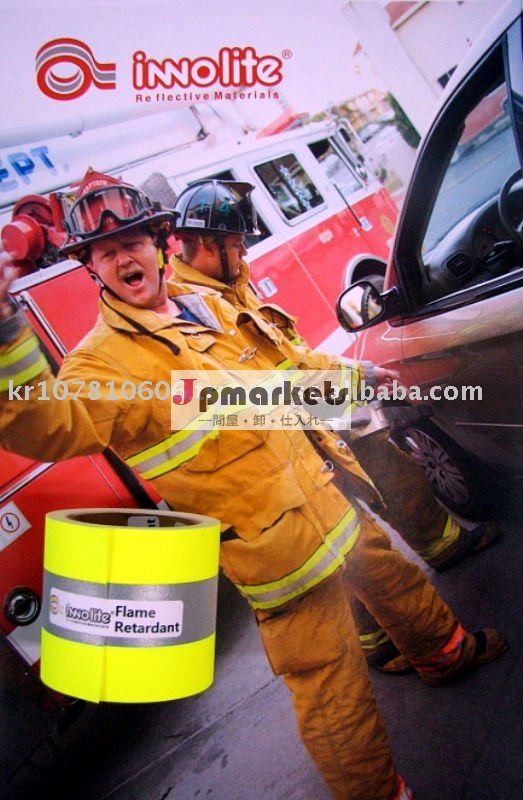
{"x": 129, "y": 604}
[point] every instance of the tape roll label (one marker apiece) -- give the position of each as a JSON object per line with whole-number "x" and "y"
{"x": 129, "y": 615}
{"x": 116, "y": 618}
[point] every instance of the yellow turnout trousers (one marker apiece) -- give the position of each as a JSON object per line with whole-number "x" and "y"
{"x": 313, "y": 643}
{"x": 411, "y": 507}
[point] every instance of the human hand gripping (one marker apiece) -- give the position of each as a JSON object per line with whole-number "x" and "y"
{"x": 385, "y": 376}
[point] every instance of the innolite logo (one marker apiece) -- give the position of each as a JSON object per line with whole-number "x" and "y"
{"x": 232, "y": 67}
{"x": 66, "y": 68}
{"x": 139, "y": 618}
{"x": 92, "y": 614}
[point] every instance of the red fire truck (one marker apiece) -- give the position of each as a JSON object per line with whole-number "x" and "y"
{"x": 326, "y": 221}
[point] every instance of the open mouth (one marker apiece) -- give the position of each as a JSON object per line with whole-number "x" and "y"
{"x": 133, "y": 278}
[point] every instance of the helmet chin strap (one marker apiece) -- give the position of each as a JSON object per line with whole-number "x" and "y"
{"x": 101, "y": 285}
{"x": 161, "y": 267}
{"x": 224, "y": 261}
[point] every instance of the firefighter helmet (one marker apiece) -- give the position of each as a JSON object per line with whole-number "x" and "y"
{"x": 105, "y": 206}
{"x": 216, "y": 207}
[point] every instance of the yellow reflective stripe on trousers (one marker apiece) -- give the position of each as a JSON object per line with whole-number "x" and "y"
{"x": 448, "y": 537}
{"x": 329, "y": 556}
{"x": 21, "y": 364}
{"x": 171, "y": 453}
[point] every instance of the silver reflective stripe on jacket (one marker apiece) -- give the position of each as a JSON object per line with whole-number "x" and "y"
{"x": 171, "y": 453}
{"x": 21, "y": 364}
{"x": 328, "y": 557}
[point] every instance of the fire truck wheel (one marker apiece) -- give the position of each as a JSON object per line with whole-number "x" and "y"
{"x": 454, "y": 478}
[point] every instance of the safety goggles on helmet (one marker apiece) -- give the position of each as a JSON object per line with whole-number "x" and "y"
{"x": 124, "y": 204}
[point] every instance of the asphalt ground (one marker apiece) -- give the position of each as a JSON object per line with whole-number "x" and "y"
{"x": 238, "y": 740}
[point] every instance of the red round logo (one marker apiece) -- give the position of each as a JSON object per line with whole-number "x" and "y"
{"x": 82, "y": 70}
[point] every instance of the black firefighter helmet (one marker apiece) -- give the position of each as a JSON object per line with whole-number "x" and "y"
{"x": 216, "y": 207}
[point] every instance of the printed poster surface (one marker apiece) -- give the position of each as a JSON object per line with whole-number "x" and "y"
{"x": 380, "y": 142}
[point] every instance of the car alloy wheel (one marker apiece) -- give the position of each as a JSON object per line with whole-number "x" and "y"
{"x": 453, "y": 479}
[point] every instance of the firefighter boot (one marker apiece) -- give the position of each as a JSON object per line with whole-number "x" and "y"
{"x": 407, "y": 606}
{"x": 463, "y": 652}
{"x": 411, "y": 507}
{"x": 467, "y": 543}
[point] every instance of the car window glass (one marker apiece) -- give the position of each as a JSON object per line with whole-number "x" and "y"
{"x": 465, "y": 242}
{"x": 289, "y": 185}
{"x": 485, "y": 154}
{"x": 249, "y": 239}
{"x": 335, "y": 168}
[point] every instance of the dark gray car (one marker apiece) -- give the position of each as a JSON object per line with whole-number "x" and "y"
{"x": 451, "y": 315}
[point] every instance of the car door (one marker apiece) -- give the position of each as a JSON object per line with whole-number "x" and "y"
{"x": 459, "y": 260}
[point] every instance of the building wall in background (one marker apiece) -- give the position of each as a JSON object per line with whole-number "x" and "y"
{"x": 437, "y": 35}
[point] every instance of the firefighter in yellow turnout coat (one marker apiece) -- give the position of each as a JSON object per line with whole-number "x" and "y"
{"x": 409, "y": 504}
{"x": 290, "y": 533}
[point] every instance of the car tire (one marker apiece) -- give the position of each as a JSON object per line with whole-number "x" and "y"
{"x": 454, "y": 479}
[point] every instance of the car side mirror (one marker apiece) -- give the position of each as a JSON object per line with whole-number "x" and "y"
{"x": 362, "y": 306}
